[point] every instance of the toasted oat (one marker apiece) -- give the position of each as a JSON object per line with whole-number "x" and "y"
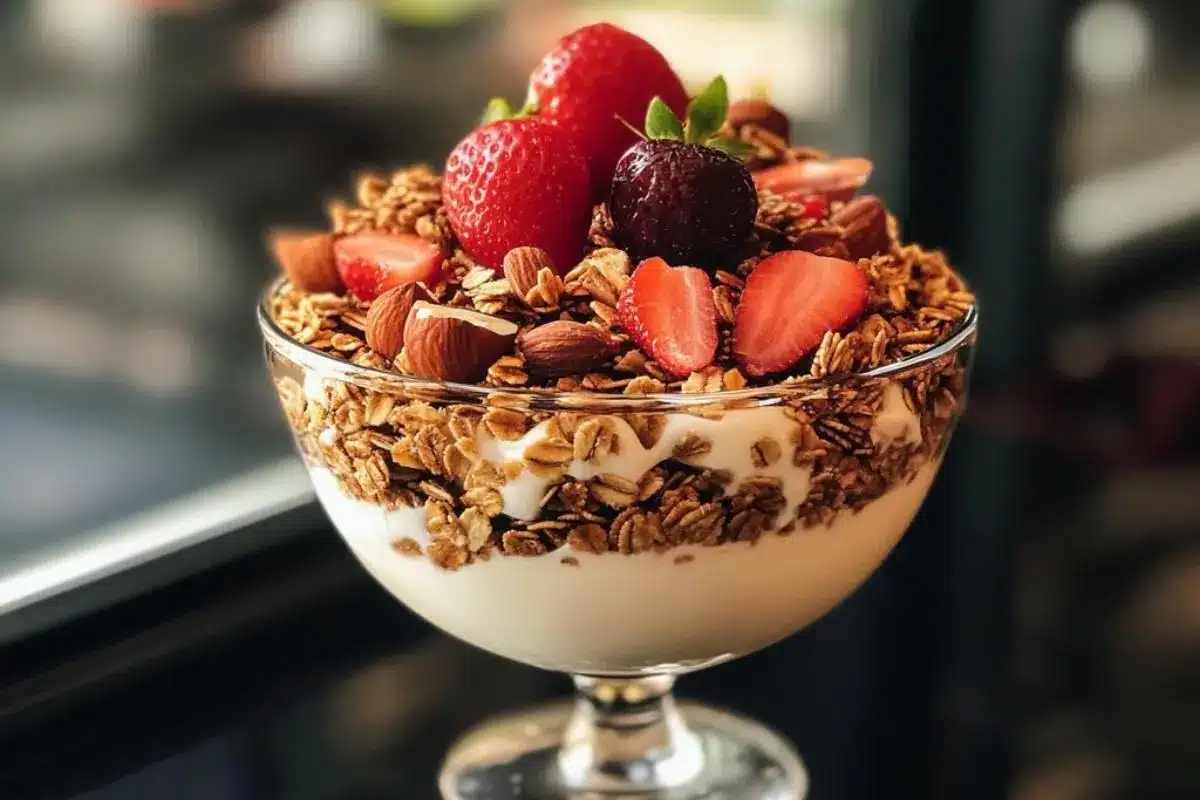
{"x": 589, "y": 538}
{"x": 596, "y": 439}
{"x": 407, "y": 546}
{"x": 478, "y": 527}
{"x": 505, "y": 424}
{"x": 692, "y": 445}
{"x": 508, "y": 371}
{"x": 634, "y": 531}
{"x": 549, "y": 457}
{"x": 765, "y": 452}
{"x": 613, "y": 490}
{"x": 522, "y": 543}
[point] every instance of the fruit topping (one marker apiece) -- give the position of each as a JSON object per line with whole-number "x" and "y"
{"x": 454, "y": 344}
{"x": 680, "y": 194}
{"x": 388, "y": 315}
{"x": 669, "y": 313}
{"x": 514, "y": 183}
{"x": 564, "y": 347}
{"x": 790, "y": 301}
{"x": 306, "y": 257}
{"x": 372, "y": 263}
{"x": 838, "y": 179}
{"x": 753, "y": 111}
{"x": 594, "y": 78}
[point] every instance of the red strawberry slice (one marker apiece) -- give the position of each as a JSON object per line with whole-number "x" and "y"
{"x": 372, "y": 263}
{"x": 790, "y": 301}
{"x": 669, "y": 312}
{"x": 838, "y": 179}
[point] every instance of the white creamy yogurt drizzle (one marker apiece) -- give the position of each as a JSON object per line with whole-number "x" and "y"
{"x": 731, "y": 437}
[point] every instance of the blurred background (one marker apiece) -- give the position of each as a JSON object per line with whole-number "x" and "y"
{"x": 176, "y": 619}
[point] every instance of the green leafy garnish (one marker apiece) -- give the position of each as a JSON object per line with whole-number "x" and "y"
{"x": 661, "y": 122}
{"x": 706, "y": 113}
{"x": 706, "y": 116}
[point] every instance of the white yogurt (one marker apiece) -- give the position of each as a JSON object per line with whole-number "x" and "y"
{"x": 616, "y": 613}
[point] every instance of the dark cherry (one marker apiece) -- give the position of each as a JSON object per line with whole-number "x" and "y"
{"x": 686, "y": 203}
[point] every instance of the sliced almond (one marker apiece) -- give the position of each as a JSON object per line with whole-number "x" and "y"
{"x": 564, "y": 347}
{"x": 306, "y": 257}
{"x": 454, "y": 344}
{"x": 388, "y": 315}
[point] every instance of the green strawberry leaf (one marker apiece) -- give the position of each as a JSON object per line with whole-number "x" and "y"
{"x": 707, "y": 111}
{"x": 497, "y": 108}
{"x": 661, "y": 122}
{"x": 734, "y": 147}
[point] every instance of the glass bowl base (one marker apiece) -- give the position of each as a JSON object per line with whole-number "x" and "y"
{"x": 522, "y": 756}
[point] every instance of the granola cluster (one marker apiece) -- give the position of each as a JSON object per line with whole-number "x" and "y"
{"x": 397, "y": 451}
{"x": 915, "y": 298}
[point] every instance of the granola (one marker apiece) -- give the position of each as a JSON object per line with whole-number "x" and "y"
{"x": 401, "y": 452}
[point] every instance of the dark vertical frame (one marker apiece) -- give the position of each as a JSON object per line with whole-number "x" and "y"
{"x": 980, "y": 83}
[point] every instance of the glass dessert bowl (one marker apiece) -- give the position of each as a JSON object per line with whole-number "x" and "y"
{"x": 622, "y": 539}
{"x": 619, "y": 408}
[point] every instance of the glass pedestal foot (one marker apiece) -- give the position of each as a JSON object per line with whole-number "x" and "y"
{"x": 537, "y": 755}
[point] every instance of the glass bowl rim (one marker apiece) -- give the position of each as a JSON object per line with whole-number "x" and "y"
{"x": 447, "y": 391}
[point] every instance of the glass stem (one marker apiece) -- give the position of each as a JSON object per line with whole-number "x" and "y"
{"x": 626, "y": 734}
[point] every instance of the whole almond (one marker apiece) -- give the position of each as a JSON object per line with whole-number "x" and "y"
{"x": 753, "y": 111}
{"x": 864, "y": 226}
{"x": 306, "y": 257}
{"x": 566, "y": 348}
{"x": 388, "y": 314}
{"x": 521, "y": 267}
{"x": 454, "y": 344}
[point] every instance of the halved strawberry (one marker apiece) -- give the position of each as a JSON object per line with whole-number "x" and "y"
{"x": 838, "y": 179}
{"x": 372, "y": 263}
{"x": 790, "y": 301}
{"x": 669, "y": 312}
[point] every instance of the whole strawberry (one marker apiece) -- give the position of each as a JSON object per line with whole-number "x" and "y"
{"x": 517, "y": 183}
{"x": 680, "y": 194}
{"x": 594, "y": 78}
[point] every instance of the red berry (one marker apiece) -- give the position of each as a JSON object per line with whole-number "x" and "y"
{"x": 517, "y": 183}
{"x": 816, "y": 206}
{"x": 790, "y": 301}
{"x": 372, "y": 263}
{"x": 669, "y": 312}
{"x": 595, "y": 75}
{"x": 837, "y": 180}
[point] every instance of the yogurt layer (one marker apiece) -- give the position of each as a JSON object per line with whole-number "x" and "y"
{"x": 615, "y": 613}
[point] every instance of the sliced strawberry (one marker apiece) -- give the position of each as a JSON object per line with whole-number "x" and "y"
{"x": 372, "y": 263}
{"x": 838, "y": 179}
{"x": 790, "y": 301}
{"x": 669, "y": 312}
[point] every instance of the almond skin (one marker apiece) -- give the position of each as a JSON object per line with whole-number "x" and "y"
{"x": 864, "y": 225}
{"x": 566, "y": 348}
{"x": 388, "y": 315}
{"x": 752, "y": 111}
{"x": 306, "y": 257}
{"x": 521, "y": 267}
{"x": 454, "y": 344}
